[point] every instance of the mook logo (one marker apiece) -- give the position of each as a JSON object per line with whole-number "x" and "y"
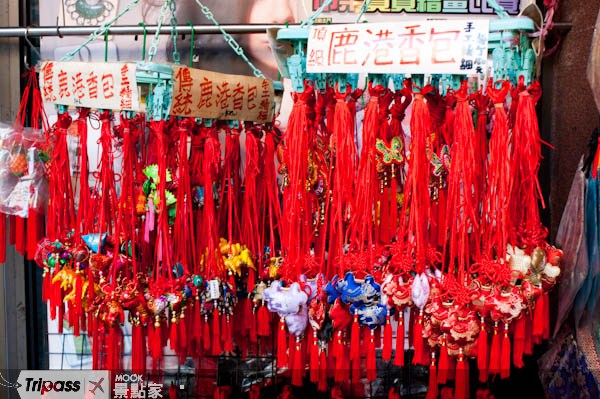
{"x": 63, "y": 384}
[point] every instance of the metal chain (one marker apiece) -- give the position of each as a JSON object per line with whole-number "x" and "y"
{"x": 311, "y": 20}
{"x": 176, "y": 55}
{"x": 363, "y": 9}
{"x": 102, "y": 29}
{"x": 235, "y": 46}
{"x": 500, "y": 11}
{"x": 156, "y": 39}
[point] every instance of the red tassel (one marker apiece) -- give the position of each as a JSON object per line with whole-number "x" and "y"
{"x": 61, "y": 317}
{"x": 418, "y": 341}
{"x": 12, "y": 231}
{"x": 314, "y": 358}
{"x": 519, "y": 342}
{"x": 3, "y": 222}
{"x": 356, "y": 371}
{"x": 298, "y": 368}
{"x": 173, "y": 392}
{"x": 264, "y": 322}
{"x": 444, "y": 364}
{"x": 183, "y": 338}
{"x": 399, "y": 357}
{"x": 206, "y": 334}
{"x": 173, "y": 335}
{"x": 228, "y": 336}
{"x": 386, "y": 353}
{"x": 495, "y": 351}
{"x": 461, "y": 384}
{"x": 505, "y": 358}
{"x": 432, "y": 392}
{"x": 282, "y": 357}
{"x": 339, "y": 351}
{"x": 538, "y": 319}
{"x": 32, "y": 233}
{"x": 20, "y": 235}
{"x": 322, "y": 385}
{"x": 371, "y": 359}
{"x": 216, "y": 330}
{"x": 482, "y": 352}
{"x": 355, "y": 339}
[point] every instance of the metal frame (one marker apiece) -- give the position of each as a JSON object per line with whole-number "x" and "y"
{"x": 48, "y": 31}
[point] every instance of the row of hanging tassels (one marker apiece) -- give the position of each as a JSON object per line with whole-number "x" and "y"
{"x": 196, "y": 248}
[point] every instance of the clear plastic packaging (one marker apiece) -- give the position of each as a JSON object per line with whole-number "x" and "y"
{"x": 23, "y": 183}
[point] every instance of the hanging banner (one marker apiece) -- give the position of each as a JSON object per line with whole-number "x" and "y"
{"x": 100, "y": 85}
{"x": 457, "y": 47}
{"x": 205, "y": 94}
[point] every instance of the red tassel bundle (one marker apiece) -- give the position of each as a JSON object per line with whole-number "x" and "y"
{"x": 298, "y": 366}
{"x": 496, "y": 351}
{"x": 355, "y": 350}
{"x": 519, "y": 342}
{"x": 371, "y": 358}
{"x": 386, "y": 353}
{"x": 482, "y": 352}
{"x": 461, "y": 387}
{"x": 432, "y": 391}
{"x": 444, "y": 364}
{"x": 399, "y": 356}
{"x": 505, "y": 358}
{"x": 282, "y": 357}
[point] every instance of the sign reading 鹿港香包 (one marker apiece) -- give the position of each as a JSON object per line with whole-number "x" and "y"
{"x": 205, "y": 94}
{"x": 100, "y": 85}
{"x": 457, "y": 47}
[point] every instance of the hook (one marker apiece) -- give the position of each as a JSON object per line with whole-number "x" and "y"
{"x": 143, "y": 25}
{"x": 106, "y": 46}
{"x": 57, "y": 29}
{"x": 31, "y": 46}
{"x": 192, "y": 42}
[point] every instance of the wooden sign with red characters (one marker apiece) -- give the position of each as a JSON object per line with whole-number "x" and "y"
{"x": 100, "y": 85}
{"x": 205, "y": 94}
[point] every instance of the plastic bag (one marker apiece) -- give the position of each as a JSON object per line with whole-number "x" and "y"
{"x": 23, "y": 183}
{"x": 571, "y": 239}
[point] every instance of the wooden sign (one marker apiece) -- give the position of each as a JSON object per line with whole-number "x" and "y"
{"x": 100, "y": 85}
{"x": 458, "y": 47}
{"x": 204, "y": 94}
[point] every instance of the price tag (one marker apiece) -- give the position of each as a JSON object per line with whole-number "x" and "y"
{"x": 214, "y": 289}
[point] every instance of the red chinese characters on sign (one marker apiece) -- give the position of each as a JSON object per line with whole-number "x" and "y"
{"x": 78, "y": 86}
{"x": 108, "y": 85}
{"x": 381, "y": 46}
{"x": 47, "y": 82}
{"x": 405, "y": 47}
{"x": 342, "y": 48}
{"x": 92, "y": 84}
{"x": 63, "y": 84}
{"x": 223, "y": 95}
{"x": 238, "y": 97}
{"x": 182, "y": 101}
{"x": 252, "y": 96}
{"x": 211, "y": 95}
{"x": 442, "y": 42}
{"x": 125, "y": 93}
{"x": 410, "y": 45}
{"x": 264, "y": 100}
{"x": 206, "y": 93}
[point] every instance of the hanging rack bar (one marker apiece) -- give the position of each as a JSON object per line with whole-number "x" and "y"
{"x": 50, "y": 31}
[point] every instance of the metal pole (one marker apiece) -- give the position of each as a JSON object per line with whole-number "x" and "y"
{"x": 46, "y": 31}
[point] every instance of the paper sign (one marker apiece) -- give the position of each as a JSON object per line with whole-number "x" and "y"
{"x": 100, "y": 85}
{"x": 457, "y": 47}
{"x": 205, "y": 94}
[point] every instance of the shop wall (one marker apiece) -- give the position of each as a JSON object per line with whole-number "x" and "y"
{"x": 569, "y": 114}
